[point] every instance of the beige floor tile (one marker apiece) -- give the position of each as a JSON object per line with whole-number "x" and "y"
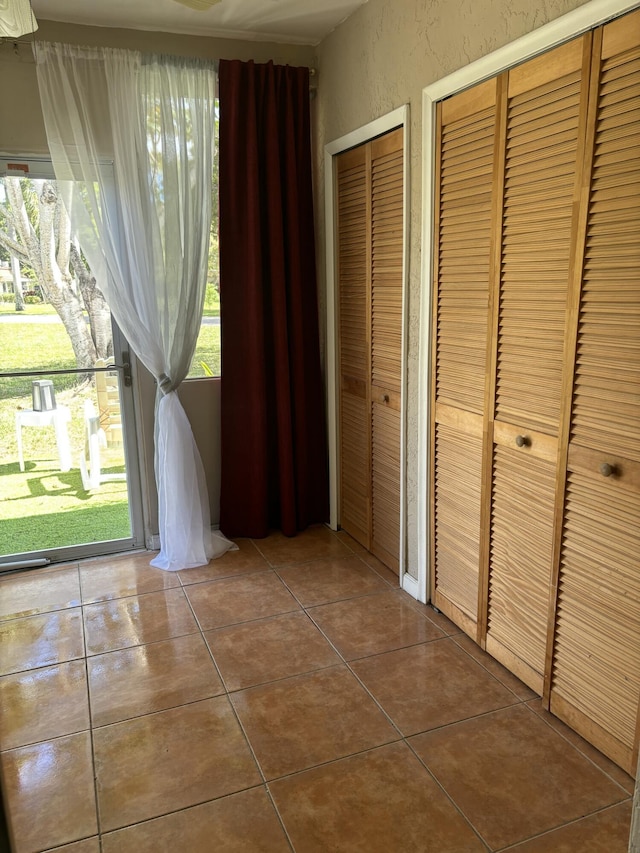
{"x": 513, "y": 776}
{"x": 373, "y": 624}
{"x": 445, "y": 624}
{"x": 313, "y": 543}
{"x": 136, "y": 620}
{"x": 89, "y": 845}
{"x": 431, "y": 685}
{"x": 604, "y": 832}
{"x": 246, "y": 560}
{"x": 44, "y": 703}
{"x": 382, "y": 801}
{"x": 268, "y": 649}
{"x": 495, "y": 668}
{"x": 233, "y": 600}
{"x": 38, "y": 591}
{"x": 387, "y": 574}
{"x": 307, "y": 720}
{"x": 611, "y": 769}
{"x": 332, "y": 579}
{"x": 41, "y": 640}
{"x": 167, "y": 761}
{"x": 117, "y": 577}
{"x": 155, "y": 677}
{"x": 242, "y": 823}
{"x": 49, "y": 793}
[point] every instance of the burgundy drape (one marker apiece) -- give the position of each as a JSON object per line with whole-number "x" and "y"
{"x": 274, "y": 456}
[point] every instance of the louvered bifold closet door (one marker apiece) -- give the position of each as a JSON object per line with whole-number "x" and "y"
{"x": 466, "y": 135}
{"x": 546, "y": 105}
{"x": 387, "y": 243}
{"x": 353, "y": 239}
{"x": 596, "y": 665}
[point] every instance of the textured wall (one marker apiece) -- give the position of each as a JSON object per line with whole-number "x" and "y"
{"x": 381, "y": 58}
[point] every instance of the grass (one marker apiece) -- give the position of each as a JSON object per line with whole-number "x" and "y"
{"x": 42, "y": 508}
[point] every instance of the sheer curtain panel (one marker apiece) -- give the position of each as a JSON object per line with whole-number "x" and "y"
{"x": 146, "y": 237}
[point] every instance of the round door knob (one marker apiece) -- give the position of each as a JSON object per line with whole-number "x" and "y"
{"x": 607, "y": 470}
{"x": 522, "y": 441}
{"x": 385, "y": 398}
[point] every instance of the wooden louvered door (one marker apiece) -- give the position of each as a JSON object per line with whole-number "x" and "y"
{"x": 545, "y": 105}
{"x": 370, "y": 239}
{"x": 466, "y": 131}
{"x": 387, "y": 249}
{"x": 595, "y": 680}
{"x": 536, "y": 465}
{"x": 354, "y": 287}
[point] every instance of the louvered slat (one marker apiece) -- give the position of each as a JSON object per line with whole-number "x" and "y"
{"x": 352, "y": 270}
{"x": 521, "y": 541}
{"x": 595, "y": 681}
{"x": 606, "y": 409}
{"x": 597, "y": 648}
{"x": 542, "y": 141}
{"x": 387, "y": 248}
{"x": 370, "y": 278}
{"x": 463, "y": 263}
{"x": 458, "y": 473}
{"x": 353, "y": 258}
{"x": 354, "y": 468}
{"x": 387, "y": 241}
{"x": 385, "y": 483}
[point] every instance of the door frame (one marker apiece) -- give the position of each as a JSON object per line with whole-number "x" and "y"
{"x": 41, "y": 168}
{"x": 563, "y": 29}
{"x": 391, "y": 121}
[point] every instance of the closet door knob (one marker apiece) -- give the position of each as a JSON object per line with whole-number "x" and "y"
{"x": 522, "y": 441}
{"x": 385, "y": 398}
{"x": 607, "y": 470}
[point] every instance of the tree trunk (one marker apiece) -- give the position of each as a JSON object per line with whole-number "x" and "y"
{"x": 17, "y": 281}
{"x": 95, "y": 303}
{"x": 60, "y": 293}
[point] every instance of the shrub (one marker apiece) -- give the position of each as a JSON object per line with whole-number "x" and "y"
{"x": 32, "y": 299}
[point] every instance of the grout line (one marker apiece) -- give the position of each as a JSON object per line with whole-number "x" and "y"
{"x": 576, "y": 747}
{"x": 553, "y": 829}
{"x": 449, "y": 797}
{"x": 341, "y": 662}
{"x": 93, "y": 754}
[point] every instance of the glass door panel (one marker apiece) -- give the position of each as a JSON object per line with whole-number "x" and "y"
{"x": 69, "y": 484}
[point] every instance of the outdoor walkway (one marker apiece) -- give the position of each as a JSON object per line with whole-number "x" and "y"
{"x": 286, "y": 697}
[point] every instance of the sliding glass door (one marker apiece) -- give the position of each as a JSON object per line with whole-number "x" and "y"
{"x": 69, "y": 481}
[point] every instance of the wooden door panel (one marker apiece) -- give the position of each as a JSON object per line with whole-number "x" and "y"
{"x": 355, "y": 466}
{"x": 353, "y": 304}
{"x": 542, "y": 140}
{"x": 387, "y": 252}
{"x": 385, "y": 484}
{"x": 606, "y": 409}
{"x": 370, "y": 242}
{"x": 596, "y": 662}
{"x": 595, "y": 677}
{"x": 464, "y": 237}
{"x": 520, "y": 569}
{"x": 458, "y": 478}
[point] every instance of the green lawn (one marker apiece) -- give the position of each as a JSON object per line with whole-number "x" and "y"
{"x": 42, "y": 507}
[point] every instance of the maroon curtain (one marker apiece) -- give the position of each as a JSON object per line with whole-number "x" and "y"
{"x": 274, "y": 456}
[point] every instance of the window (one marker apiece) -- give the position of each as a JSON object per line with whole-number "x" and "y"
{"x": 206, "y": 359}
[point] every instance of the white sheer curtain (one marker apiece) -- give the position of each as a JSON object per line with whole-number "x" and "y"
{"x": 147, "y": 238}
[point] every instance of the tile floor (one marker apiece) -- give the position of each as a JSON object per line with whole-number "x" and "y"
{"x": 286, "y": 697}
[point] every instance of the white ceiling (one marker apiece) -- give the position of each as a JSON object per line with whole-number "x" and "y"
{"x": 284, "y": 21}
